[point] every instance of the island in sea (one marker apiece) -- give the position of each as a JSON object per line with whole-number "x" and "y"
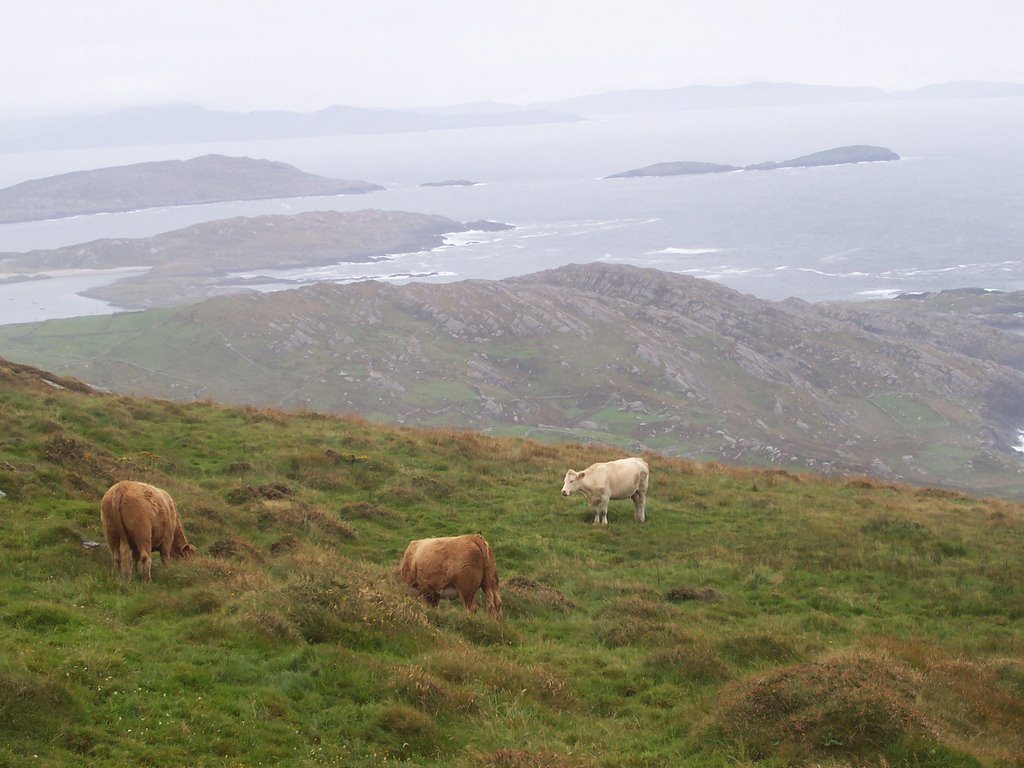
{"x": 858, "y": 153}
{"x": 450, "y": 183}
{"x": 206, "y": 179}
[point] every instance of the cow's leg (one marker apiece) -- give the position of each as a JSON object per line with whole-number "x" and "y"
{"x": 639, "y": 499}
{"x": 130, "y": 571}
{"x": 127, "y": 557}
{"x": 597, "y": 512}
{"x": 118, "y": 552}
{"x": 469, "y": 600}
{"x": 146, "y": 563}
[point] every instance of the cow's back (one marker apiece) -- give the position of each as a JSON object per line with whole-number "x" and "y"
{"x": 143, "y": 511}
{"x": 433, "y": 564}
{"x": 621, "y": 477}
{"x": 446, "y": 557}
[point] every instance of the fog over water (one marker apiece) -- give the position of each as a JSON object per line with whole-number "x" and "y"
{"x": 949, "y": 214}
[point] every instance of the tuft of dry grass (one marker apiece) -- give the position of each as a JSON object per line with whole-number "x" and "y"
{"x": 523, "y": 596}
{"x": 465, "y": 665}
{"x": 416, "y": 686}
{"x": 518, "y": 758}
{"x": 406, "y": 730}
{"x": 302, "y": 517}
{"x": 694, "y": 663}
{"x": 683, "y": 594}
{"x": 850, "y": 707}
{"x": 235, "y": 547}
{"x": 869, "y": 484}
{"x": 364, "y": 510}
{"x": 897, "y": 706}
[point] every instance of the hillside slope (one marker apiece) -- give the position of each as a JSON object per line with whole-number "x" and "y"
{"x": 629, "y": 357}
{"x": 759, "y": 617}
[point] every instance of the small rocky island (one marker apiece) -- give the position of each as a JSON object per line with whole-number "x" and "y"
{"x": 859, "y": 153}
{"x": 450, "y": 183}
{"x": 206, "y": 179}
{"x": 485, "y": 225}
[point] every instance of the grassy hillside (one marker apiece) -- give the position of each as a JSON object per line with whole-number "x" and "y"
{"x": 759, "y": 617}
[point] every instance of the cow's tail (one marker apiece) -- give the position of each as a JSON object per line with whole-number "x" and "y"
{"x": 490, "y": 579}
{"x": 123, "y": 542}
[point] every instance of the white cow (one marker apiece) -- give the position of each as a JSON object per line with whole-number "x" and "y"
{"x": 620, "y": 479}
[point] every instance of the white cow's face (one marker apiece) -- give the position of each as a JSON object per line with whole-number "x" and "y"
{"x": 572, "y": 482}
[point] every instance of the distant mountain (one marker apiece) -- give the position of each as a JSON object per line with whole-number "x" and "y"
{"x": 860, "y": 153}
{"x": 712, "y": 97}
{"x": 964, "y": 89}
{"x": 925, "y": 391}
{"x": 194, "y": 263}
{"x": 764, "y": 95}
{"x": 207, "y": 179}
{"x": 188, "y": 123}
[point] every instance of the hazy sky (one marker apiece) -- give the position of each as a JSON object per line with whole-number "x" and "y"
{"x": 62, "y": 56}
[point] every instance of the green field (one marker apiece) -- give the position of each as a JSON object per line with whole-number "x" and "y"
{"x": 758, "y": 617}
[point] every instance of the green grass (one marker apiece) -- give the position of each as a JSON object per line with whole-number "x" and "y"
{"x": 759, "y": 617}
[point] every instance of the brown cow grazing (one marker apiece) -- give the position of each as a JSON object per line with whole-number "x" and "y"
{"x": 141, "y": 518}
{"x": 620, "y": 479}
{"x": 434, "y": 566}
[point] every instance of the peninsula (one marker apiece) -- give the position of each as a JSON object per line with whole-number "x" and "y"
{"x": 191, "y": 264}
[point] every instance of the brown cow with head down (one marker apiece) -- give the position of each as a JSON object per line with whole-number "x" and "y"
{"x": 141, "y": 518}
{"x": 465, "y": 563}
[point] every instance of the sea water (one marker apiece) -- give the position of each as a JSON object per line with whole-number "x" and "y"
{"x": 949, "y": 214}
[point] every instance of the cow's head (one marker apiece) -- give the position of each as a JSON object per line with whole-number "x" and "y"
{"x": 572, "y": 482}
{"x": 183, "y": 552}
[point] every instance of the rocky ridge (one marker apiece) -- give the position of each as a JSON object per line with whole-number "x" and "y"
{"x": 635, "y": 358}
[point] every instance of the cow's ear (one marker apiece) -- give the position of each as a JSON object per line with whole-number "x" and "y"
{"x": 581, "y": 474}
